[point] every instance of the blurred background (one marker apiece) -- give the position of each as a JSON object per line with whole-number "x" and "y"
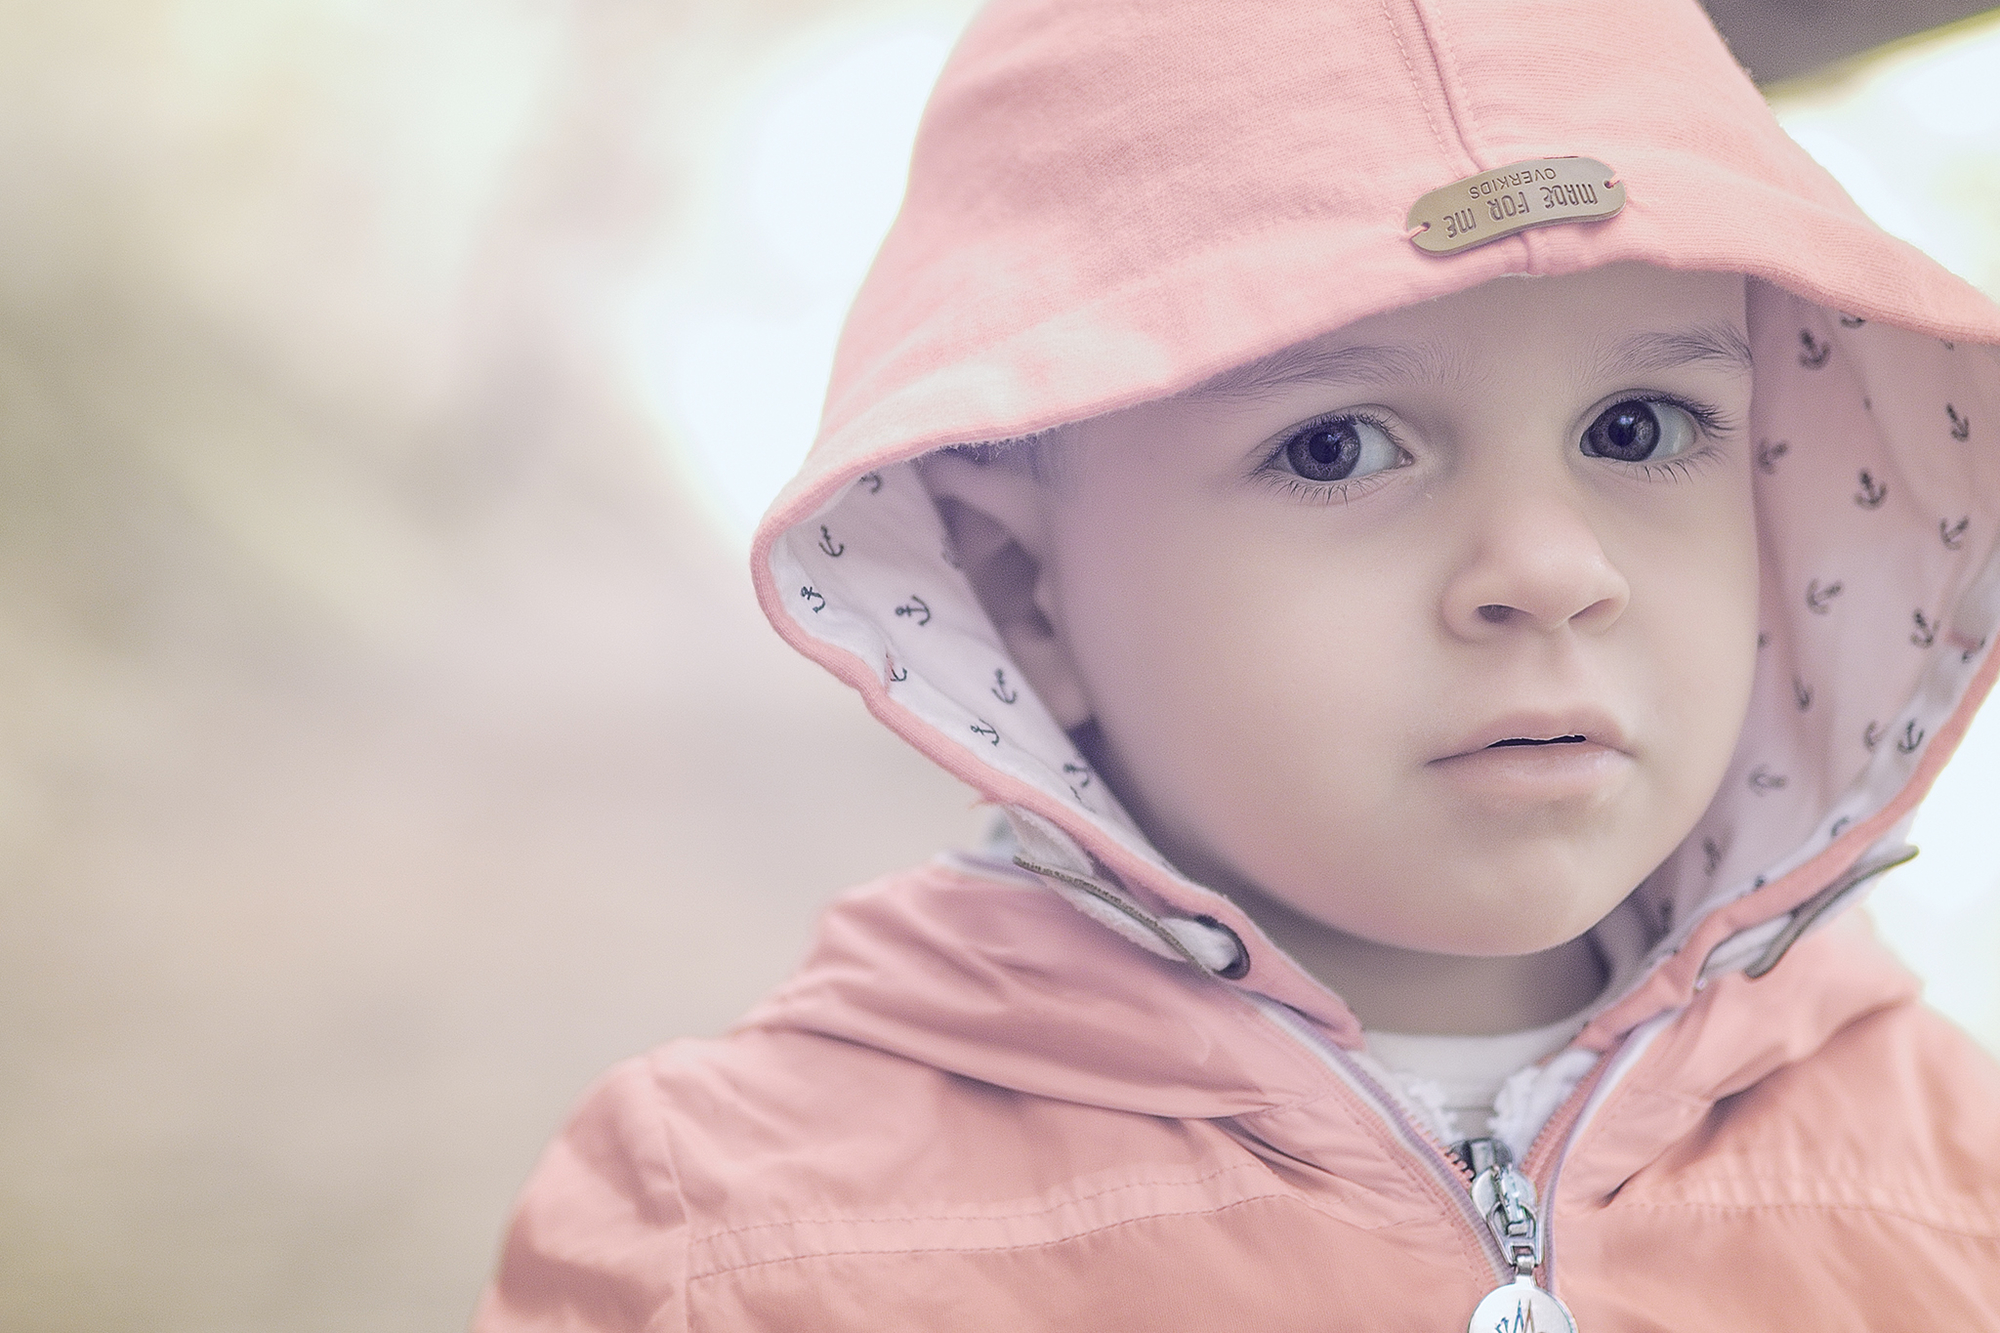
{"x": 388, "y": 738}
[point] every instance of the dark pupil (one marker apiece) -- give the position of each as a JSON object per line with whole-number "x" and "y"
{"x": 1628, "y": 432}
{"x": 1325, "y": 453}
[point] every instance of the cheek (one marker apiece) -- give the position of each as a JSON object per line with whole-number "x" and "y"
{"x": 1236, "y": 668}
{"x": 1702, "y": 604}
{"x": 1161, "y": 617}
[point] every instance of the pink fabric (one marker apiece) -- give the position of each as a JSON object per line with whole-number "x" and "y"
{"x": 996, "y": 1100}
{"x": 976, "y": 1110}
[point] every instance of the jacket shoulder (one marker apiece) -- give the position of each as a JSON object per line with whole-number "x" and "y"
{"x": 775, "y": 1176}
{"x": 1897, "y": 1113}
{"x": 1862, "y": 1175}
{"x": 698, "y": 1142}
{"x": 598, "y": 1238}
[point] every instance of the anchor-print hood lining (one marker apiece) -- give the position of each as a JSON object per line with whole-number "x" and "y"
{"x": 1033, "y": 279}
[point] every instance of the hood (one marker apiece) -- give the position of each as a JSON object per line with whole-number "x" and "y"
{"x": 1111, "y": 202}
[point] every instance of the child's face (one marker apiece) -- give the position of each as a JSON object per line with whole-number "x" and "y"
{"x": 1304, "y": 605}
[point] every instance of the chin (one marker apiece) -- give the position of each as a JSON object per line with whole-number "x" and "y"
{"x": 1507, "y": 921}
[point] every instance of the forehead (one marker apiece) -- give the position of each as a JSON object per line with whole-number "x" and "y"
{"x": 1623, "y": 320}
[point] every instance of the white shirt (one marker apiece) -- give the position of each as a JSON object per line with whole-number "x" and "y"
{"x": 1505, "y": 1086}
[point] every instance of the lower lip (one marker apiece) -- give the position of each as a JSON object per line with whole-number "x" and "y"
{"x": 1534, "y": 774}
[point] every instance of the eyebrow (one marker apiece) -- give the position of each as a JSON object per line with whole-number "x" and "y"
{"x": 1363, "y": 364}
{"x": 1651, "y": 353}
{"x": 1317, "y": 363}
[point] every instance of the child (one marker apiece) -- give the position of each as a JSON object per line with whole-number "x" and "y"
{"x": 1457, "y": 550}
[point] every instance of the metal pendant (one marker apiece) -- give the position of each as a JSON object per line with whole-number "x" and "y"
{"x": 1535, "y": 193}
{"x": 1521, "y": 1307}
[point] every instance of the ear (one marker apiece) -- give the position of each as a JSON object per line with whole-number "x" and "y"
{"x": 995, "y": 511}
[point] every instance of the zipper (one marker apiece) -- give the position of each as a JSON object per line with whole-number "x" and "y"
{"x": 1457, "y": 1181}
{"x": 1493, "y": 1196}
{"x": 1497, "y": 1202}
{"x": 1452, "y": 1176}
{"x": 1569, "y": 1120}
{"x": 1506, "y": 1200}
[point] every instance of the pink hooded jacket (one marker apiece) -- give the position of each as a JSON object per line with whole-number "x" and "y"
{"x": 1083, "y": 1092}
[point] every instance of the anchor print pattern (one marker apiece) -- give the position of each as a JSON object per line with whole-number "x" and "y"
{"x": 1872, "y": 492}
{"x": 1953, "y": 535}
{"x": 1768, "y": 454}
{"x": 1711, "y": 856}
{"x": 1961, "y": 427}
{"x": 1001, "y": 690}
{"x": 917, "y": 610}
{"x": 1812, "y": 352}
{"x": 1851, "y": 321}
{"x": 1079, "y": 776}
{"x": 1872, "y": 736}
{"x": 1802, "y": 694}
{"x": 1820, "y": 599}
{"x": 1925, "y": 633}
{"x": 815, "y": 596}
{"x": 1762, "y": 779}
{"x": 870, "y": 481}
{"x": 987, "y": 731}
{"x": 1912, "y": 737}
{"x": 1971, "y": 650}
{"x": 827, "y": 543}
{"x": 1839, "y": 826}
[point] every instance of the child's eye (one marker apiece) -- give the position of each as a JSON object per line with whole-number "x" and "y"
{"x": 1638, "y": 430}
{"x": 1339, "y": 449}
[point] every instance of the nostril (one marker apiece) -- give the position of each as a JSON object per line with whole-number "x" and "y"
{"x": 1494, "y": 614}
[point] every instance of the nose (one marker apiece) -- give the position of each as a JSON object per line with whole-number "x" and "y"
{"x": 1533, "y": 562}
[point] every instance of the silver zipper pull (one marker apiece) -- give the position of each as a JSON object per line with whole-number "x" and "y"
{"x": 1506, "y": 1199}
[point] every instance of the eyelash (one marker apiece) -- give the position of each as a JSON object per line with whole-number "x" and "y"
{"x": 1711, "y": 424}
{"x": 1298, "y": 488}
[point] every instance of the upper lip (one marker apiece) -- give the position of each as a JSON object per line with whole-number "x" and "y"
{"x": 1594, "y": 725}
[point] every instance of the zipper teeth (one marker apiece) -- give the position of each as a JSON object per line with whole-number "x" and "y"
{"x": 1581, "y": 1106}
{"x": 1556, "y": 1129}
{"x": 1576, "y": 1112}
{"x": 1449, "y": 1172}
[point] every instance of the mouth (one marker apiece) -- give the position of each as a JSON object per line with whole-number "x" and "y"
{"x": 1539, "y": 758}
{"x": 1554, "y": 729}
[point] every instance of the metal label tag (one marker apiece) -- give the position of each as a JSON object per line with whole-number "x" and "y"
{"x": 1535, "y": 193}
{"x": 1521, "y": 1307}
